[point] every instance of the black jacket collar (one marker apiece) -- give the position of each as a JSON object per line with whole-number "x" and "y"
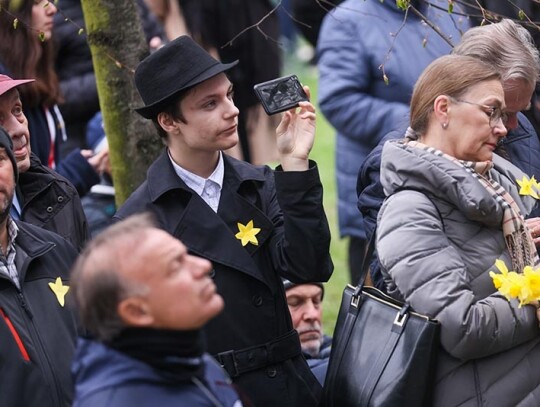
{"x": 162, "y": 177}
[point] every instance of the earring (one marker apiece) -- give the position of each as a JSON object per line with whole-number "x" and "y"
{"x": 444, "y": 126}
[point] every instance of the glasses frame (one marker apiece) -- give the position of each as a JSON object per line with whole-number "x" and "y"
{"x": 495, "y": 112}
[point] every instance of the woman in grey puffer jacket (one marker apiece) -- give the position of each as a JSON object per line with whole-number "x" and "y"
{"x": 441, "y": 230}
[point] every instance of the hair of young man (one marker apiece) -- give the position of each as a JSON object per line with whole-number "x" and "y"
{"x": 173, "y": 108}
{"x": 96, "y": 286}
{"x": 506, "y": 46}
{"x": 450, "y": 75}
{"x": 26, "y": 56}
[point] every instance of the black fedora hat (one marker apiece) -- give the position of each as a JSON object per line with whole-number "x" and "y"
{"x": 178, "y": 65}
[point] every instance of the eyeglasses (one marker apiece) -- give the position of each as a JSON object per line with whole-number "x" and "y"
{"x": 494, "y": 112}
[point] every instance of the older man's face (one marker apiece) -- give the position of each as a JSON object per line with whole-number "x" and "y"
{"x": 517, "y": 97}
{"x": 305, "y": 306}
{"x": 179, "y": 292}
{"x": 7, "y": 184}
{"x": 13, "y": 120}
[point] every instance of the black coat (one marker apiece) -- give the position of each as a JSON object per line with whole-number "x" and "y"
{"x": 293, "y": 242}
{"x": 37, "y": 333}
{"x": 49, "y": 201}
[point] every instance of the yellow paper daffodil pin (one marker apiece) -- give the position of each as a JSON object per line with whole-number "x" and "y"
{"x": 60, "y": 290}
{"x": 247, "y": 233}
{"x": 528, "y": 186}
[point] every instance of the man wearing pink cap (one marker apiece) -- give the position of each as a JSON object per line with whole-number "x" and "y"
{"x": 43, "y": 197}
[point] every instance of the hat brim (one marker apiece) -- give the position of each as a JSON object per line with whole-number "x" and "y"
{"x": 13, "y": 83}
{"x": 151, "y": 111}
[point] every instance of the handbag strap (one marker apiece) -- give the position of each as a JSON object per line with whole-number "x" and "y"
{"x": 370, "y": 249}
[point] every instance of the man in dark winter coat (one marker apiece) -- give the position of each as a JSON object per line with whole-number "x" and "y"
{"x": 144, "y": 299}
{"x": 37, "y": 330}
{"x": 43, "y": 197}
{"x": 253, "y": 223}
{"x": 305, "y": 306}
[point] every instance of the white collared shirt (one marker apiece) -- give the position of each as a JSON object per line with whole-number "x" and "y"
{"x": 209, "y": 189}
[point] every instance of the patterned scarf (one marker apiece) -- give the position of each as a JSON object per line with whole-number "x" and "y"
{"x": 516, "y": 234}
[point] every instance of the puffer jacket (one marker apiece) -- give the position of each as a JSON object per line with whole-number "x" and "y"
{"x": 439, "y": 235}
{"x": 521, "y": 147}
{"x": 355, "y": 39}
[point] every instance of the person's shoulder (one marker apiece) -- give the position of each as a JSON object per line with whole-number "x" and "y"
{"x": 135, "y": 203}
{"x": 32, "y": 236}
{"x": 246, "y": 170}
{"x": 37, "y": 168}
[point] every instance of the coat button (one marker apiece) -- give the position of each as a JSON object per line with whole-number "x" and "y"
{"x": 271, "y": 372}
{"x": 257, "y": 300}
{"x": 212, "y": 273}
{"x": 49, "y": 209}
{"x": 60, "y": 199}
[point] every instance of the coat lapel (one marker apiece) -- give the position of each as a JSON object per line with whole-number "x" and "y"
{"x": 204, "y": 232}
{"x": 238, "y": 213}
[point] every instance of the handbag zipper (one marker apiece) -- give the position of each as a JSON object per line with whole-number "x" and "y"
{"x": 382, "y": 297}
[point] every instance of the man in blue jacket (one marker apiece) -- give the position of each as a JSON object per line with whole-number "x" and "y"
{"x": 144, "y": 299}
{"x": 37, "y": 329}
{"x": 253, "y": 223}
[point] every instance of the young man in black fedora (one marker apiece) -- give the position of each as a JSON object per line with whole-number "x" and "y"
{"x": 254, "y": 224}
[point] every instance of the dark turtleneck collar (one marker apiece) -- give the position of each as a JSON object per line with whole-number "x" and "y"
{"x": 175, "y": 355}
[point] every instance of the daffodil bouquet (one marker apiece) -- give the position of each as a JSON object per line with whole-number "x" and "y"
{"x": 524, "y": 287}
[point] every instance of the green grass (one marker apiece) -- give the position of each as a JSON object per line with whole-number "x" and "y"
{"x": 324, "y": 153}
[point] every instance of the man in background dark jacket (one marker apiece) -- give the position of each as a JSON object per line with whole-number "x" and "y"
{"x": 43, "y": 197}
{"x": 305, "y": 306}
{"x": 37, "y": 330}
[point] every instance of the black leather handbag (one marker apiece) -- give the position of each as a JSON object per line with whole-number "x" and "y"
{"x": 383, "y": 353}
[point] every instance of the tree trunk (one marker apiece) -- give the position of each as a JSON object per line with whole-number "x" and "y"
{"x": 117, "y": 43}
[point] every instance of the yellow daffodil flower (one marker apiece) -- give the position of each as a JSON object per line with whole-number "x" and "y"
{"x": 528, "y": 186}
{"x": 247, "y": 233}
{"x": 524, "y": 287}
{"x": 60, "y": 290}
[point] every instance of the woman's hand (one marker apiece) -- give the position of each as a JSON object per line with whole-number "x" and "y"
{"x": 295, "y": 136}
{"x": 534, "y": 226}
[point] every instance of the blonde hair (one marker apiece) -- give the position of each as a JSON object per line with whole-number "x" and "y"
{"x": 450, "y": 75}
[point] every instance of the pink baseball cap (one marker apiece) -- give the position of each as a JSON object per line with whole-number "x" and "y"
{"x": 7, "y": 83}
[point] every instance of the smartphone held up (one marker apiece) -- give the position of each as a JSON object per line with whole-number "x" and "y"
{"x": 281, "y": 94}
